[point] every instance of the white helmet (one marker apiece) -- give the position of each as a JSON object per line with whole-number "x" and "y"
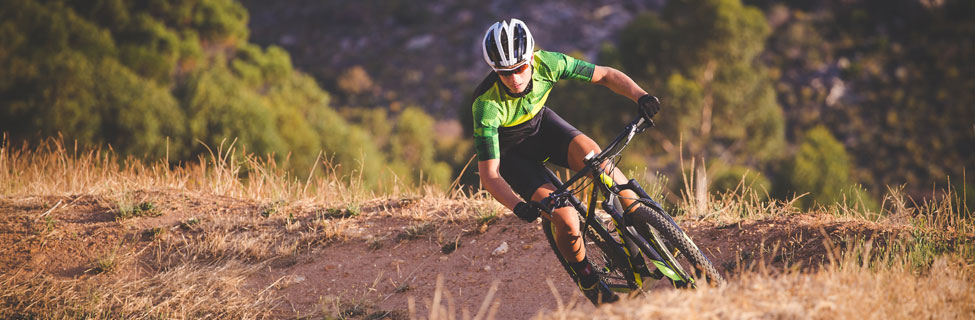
{"x": 507, "y": 46}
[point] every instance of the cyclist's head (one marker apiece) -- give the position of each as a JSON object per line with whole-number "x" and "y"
{"x": 507, "y": 45}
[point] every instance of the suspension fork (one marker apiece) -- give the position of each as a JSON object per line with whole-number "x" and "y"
{"x": 625, "y": 235}
{"x": 634, "y": 186}
{"x": 645, "y": 199}
{"x": 655, "y": 256}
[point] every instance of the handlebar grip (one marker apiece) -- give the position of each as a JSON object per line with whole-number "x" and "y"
{"x": 541, "y": 205}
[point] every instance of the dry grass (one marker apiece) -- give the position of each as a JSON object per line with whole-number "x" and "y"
{"x": 835, "y": 293}
{"x": 260, "y": 215}
{"x": 928, "y": 273}
{"x": 185, "y": 292}
{"x": 234, "y": 216}
{"x": 55, "y": 169}
{"x": 864, "y": 281}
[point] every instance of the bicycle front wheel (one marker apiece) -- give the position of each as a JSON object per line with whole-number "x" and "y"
{"x": 604, "y": 253}
{"x": 684, "y": 256}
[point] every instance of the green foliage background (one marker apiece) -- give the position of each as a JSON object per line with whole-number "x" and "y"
{"x": 907, "y": 113}
{"x": 789, "y": 97}
{"x": 820, "y": 98}
{"x": 173, "y": 78}
{"x": 700, "y": 57}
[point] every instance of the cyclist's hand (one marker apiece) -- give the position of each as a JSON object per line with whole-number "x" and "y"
{"x": 526, "y": 211}
{"x": 649, "y": 105}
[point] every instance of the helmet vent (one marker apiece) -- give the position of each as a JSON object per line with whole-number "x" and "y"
{"x": 507, "y": 44}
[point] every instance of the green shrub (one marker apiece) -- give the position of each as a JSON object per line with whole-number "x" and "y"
{"x": 149, "y": 48}
{"x": 151, "y": 76}
{"x": 821, "y": 168}
{"x": 218, "y": 20}
{"x": 412, "y": 144}
{"x": 137, "y": 115}
{"x": 726, "y": 178}
{"x": 221, "y": 108}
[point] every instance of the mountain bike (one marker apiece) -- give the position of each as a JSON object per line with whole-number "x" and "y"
{"x": 618, "y": 246}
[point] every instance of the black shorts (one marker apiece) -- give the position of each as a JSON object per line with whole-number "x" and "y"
{"x": 544, "y": 138}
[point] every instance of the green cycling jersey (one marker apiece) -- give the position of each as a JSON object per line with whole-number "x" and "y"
{"x": 494, "y": 107}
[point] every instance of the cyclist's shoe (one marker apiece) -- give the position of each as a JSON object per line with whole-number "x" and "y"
{"x": 599, "y": 293}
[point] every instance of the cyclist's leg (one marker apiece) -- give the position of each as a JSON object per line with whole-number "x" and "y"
{"x": 527, "y": 178}
{"x": 568, "y": 237}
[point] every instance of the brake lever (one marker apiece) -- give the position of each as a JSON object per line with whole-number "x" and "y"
{"x": 644, "y": 124}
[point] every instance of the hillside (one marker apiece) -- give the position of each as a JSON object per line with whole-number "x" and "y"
{"x": 299, "y": 261}
{"x": 838, "y": 99}
{"x": 881, "y": 80}
{"x": 240, "y": 159}
{"x": 428, "y": 53}
{"x": 143, "y": 241}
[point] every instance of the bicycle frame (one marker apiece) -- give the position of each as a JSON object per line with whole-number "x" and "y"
{"x": 564, "y": 196}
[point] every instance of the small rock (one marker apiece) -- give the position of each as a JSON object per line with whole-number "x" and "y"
{"x": 487, "y": 268}
{"x": 502, "y": 249}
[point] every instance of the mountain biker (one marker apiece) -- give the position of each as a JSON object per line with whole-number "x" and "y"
{"x": 514, "y": 132}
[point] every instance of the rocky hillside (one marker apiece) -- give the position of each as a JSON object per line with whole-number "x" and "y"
{"x": 882, "y": 80}
{"x": 423, "y": 53}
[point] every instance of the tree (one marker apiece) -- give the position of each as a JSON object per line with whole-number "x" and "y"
{"x": 700, "y": 55}
{"x": 890, "y": 79}
{"x": 153, "y": 77}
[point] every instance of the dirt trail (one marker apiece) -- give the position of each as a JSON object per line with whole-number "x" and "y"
{"x": 393, "y": 260}
{"x": 378, "y": 276}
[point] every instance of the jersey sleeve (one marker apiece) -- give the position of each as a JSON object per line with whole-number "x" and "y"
{"x": 487, "y": 119}
{"x": 577, "y": 69}
{"x": 566, "y": 67}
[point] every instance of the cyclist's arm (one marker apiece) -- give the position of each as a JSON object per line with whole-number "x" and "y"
{"x": 617, "y": 81}
{"x": 492, "y": 181}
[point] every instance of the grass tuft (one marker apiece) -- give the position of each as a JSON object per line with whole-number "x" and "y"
{"x": 107, "y": 262}
{"x": 190, "y": 224}
{"x": 153, "y": 234}
{"x": 141, "y": 209}
{"x": 417, "y": 230}
{"x": 350, "y": 210}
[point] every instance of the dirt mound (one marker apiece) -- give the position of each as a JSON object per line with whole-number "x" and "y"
{"x": 381, "y": 258}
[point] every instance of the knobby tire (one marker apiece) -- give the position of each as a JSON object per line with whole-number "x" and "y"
{"x": 691, "y": 257}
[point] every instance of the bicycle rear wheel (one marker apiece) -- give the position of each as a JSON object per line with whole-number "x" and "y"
{"x": 687, "y": 258}
{"x": 604, "y": 253}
